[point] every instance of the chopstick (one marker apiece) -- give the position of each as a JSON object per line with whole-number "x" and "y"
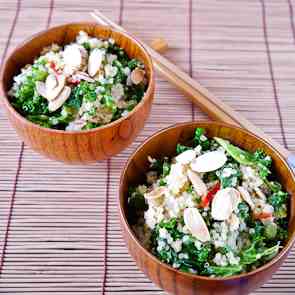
{"x": 199, "y": 95}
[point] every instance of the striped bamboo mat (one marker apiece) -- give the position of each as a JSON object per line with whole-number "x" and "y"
{"x": 59, "y": 230}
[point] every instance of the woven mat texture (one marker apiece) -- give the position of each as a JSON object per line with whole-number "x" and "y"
{"x": 59, "y": 229}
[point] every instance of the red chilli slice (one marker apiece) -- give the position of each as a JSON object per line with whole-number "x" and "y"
{"x": 73, "y": 81}
{"x": 262, "y": 215}
{"x": 52, "y": 66}
{"x": 206, "y": 200}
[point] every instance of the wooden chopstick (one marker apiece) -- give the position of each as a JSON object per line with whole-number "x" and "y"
{"x": 199, "y": 95}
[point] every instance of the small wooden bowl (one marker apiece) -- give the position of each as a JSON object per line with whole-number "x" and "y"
{"x": 82, "y": 146}
{"x": 171, "y": 280}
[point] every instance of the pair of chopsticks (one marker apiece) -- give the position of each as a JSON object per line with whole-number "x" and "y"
{"x": 199, "y": 95}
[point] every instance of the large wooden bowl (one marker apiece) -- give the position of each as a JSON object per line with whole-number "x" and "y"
{"x": 171, "y": 280}
{"x": 82, "y": 146}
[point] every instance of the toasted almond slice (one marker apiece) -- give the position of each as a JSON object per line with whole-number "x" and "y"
{"x": 234, "y": 222}
{"x": 259, "y": 193}
{"x": 223, "y": 204}
{"x": 196, "y": 224}
{"x": 51, "y": 82}
{"x": 186, "y": 157}
{"x": 246, "y": 197}
{"x": 94, "y": 62}
{"x": 51, "y": 94}
{"x": 41, "y": 88}
{"x": 209, "y": 161}
{"x": 137, "y": 76}
{"x": 197, "y": 182}
{"x": 236, "y": 197}
{"x": 156, "y": 193}
{"x": 59, "y": 101}
{"x": 83, "y": 76}
{"x": 72, "y": 56}
{"x": 177, "y": 178}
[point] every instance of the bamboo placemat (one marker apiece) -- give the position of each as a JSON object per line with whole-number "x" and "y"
{"x": 59, "y": 229}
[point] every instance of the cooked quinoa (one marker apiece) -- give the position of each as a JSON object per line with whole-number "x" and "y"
{"x": 86, "y": 84}
{"x": 213, "y": 209}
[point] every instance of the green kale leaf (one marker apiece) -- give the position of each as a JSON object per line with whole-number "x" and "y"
{"x": 244, "y": 211}
{"x": 229, "y": 175}
{"x": 254, "y": 253}
{"x": 279, "y": 201}
{"x": 182, "y": 148}
{"x": 201, "y": 139}
{"x": 258, "y": 160}
{"x": 223, "y": 271}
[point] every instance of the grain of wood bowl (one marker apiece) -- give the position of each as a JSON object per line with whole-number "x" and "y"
{"x": 80, "y": 146}
{"x": 171, "y": 280}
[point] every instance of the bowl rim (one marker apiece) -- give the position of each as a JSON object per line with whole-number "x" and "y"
{"x": 148, "y": 93}
{"x": 125, "y": 223}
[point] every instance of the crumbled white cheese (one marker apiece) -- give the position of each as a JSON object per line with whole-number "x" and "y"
{"x": 177, "y": 245}
{"x": 110, "y": 71}
{"x": 126, "y": 71}
{"x": 220, "y": 259}
{"x": 111, "y": 58}
{"x": 227, "y": 172}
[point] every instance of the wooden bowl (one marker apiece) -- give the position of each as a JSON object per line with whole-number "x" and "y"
{"x": 171, "y": 280}
{"x": 82, "y": 146}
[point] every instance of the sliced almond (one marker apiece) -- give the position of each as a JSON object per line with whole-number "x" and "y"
{"x": 210, "y": 161}
{"x": 259, "y": 193}
{"x": 72, "y": 56}
{"x": 94, "y": 62}
{"x": 186, "y": 157}
{"x": 234, "y": 222}
{"x": 223, "y": 204}
{"x": 236, "y": 197}
{"x": 83, "y": 76}
{"x": 51, "y": 82}
{"x": 59, "y": 101}
{"x": 177, "y": 178}
{"x": 246, "y": 197}
{"x": 51, "y": 94}
{"x": 156, "y": 193}
{"x": 48, "y": 90}
{"x": 197, "y": 182}
{"x": 41, "y": 88}
{"x": 196, "y": 224}
{"x": 137, "y": 76}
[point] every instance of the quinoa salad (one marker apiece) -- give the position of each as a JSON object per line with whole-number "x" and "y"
{"x": 83, "y": 85}
{"x": 213, "y": 210}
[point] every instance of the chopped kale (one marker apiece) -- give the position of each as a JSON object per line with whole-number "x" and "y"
{"x": 260, "y": 233}
{"x": 201, "y": 139}
{"x": 244, "y": 211}
{"x": 223, "y": 271}
{"x": 229, "y": 175}
{"x": 181, "y": 148}
{"x": 98, "y": 95}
